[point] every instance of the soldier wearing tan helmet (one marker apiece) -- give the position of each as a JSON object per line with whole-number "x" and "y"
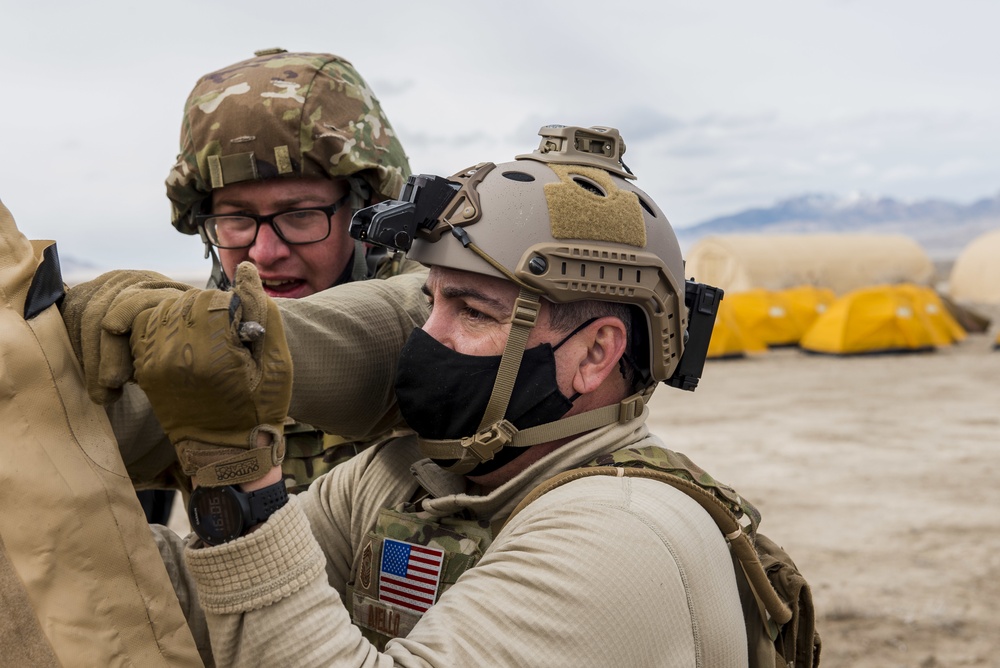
{"x": 277, "y": 152}
{"x": 558, "y": 304}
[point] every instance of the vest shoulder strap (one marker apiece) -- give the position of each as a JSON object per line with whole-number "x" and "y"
{"x": 730, "y": 526}
{"x": 786, "y": 611}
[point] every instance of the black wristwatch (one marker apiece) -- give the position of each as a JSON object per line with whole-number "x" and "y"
{"x": 220, "y": 514}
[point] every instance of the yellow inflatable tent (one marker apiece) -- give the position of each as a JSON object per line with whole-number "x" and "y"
{"x": 805, "y": 303}
{"x": 971, "y": 319}
{"x": 841, "y": 262}
{"x": 927, "y": 305}
{"x": 764, "y": 316}
{"x": 975, "y": 276}
{"x": 777, "y": 318}
{"x": 876, "y": 319}
{"x": 729, "y": 338}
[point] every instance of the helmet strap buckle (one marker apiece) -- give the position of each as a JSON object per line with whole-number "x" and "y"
{"x": 631, "y": 407}
{"x": 486, "y": 443}
{"x": 525, "y": 312}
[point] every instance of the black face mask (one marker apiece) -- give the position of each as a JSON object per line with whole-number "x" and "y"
{"x": 443, "y": 394}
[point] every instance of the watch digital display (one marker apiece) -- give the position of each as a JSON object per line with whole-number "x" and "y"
{"x": 216, "y": 514}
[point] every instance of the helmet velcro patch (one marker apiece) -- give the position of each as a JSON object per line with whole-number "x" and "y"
{"x": 586, "y": 204}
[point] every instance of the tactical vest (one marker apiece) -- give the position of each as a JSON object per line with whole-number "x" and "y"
{"x": 410, "y": 559}
{"x": 407, "y": 561}
{"x": 776, "y": 599}
{"x": 311, "y": 452}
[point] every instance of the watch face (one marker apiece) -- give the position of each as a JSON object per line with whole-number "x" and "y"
{"x": 215, "y": 514}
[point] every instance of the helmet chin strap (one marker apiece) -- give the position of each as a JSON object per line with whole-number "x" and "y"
{"x": 496, "y": 432}
{"x": 218, "y": 278}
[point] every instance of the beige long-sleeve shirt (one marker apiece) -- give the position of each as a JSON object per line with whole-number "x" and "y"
{"x": 602, "y": 571}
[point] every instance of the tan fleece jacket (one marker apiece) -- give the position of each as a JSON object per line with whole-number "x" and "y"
{"x": 602, "y": 571}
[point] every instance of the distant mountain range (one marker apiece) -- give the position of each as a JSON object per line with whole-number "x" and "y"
{"x": 75, "y": 269}
{"x": 943, "y": 228}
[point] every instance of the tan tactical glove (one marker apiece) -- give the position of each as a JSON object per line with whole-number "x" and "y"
{"x": 103, "y": 349}
{"x": 221, "y": 398}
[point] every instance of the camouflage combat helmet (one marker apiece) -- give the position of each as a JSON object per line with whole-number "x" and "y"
{"x": 283, "y": 114}
{"x": 564, "y": 222}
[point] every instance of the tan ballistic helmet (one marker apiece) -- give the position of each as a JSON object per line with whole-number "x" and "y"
{"x": 283, "y": 114}
{"x": 565, "y": 221}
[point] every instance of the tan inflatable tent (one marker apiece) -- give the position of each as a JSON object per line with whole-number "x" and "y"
{"x": 975, "y": 276}
{"x": 841, "y": 262}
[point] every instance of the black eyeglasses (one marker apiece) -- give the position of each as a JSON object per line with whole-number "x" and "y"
{"x": 295, "y": 227}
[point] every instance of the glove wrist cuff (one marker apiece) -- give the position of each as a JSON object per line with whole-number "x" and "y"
{"x": 237, "y": 466}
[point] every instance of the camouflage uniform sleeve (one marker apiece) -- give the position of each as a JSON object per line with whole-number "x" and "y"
{"x": 345, "y": 342}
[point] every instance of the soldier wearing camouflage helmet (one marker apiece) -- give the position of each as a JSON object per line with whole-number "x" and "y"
{"x": 283, "y": 117}
{"x": 276, "y": 154}
{"x": 557, "y": 305}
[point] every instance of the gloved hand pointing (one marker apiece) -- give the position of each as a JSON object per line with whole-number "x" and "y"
{"x": 221, "y": 398}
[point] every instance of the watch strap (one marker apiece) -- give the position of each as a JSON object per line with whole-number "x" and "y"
{"x": 265, "y": 502}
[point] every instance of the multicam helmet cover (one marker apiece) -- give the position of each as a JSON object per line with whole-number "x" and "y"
{"x": 282, "y": 114}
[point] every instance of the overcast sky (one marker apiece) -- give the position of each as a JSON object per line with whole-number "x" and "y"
{"x": 723, "y": 105}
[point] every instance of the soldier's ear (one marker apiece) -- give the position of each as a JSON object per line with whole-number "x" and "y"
{"x": 603, "y": 344}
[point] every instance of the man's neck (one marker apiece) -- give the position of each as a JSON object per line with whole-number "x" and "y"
{"x": 494, "y": 479}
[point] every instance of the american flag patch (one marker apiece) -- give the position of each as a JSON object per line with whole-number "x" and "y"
{"x": 409, "y": 574}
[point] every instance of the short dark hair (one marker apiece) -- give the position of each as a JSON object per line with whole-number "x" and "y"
{"x": 567, "y": 316}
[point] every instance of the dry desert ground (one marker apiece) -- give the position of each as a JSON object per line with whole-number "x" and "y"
{"x": 880, "y": 475}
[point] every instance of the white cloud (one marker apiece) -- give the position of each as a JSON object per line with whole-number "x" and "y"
{"x": 722, "y": 106}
